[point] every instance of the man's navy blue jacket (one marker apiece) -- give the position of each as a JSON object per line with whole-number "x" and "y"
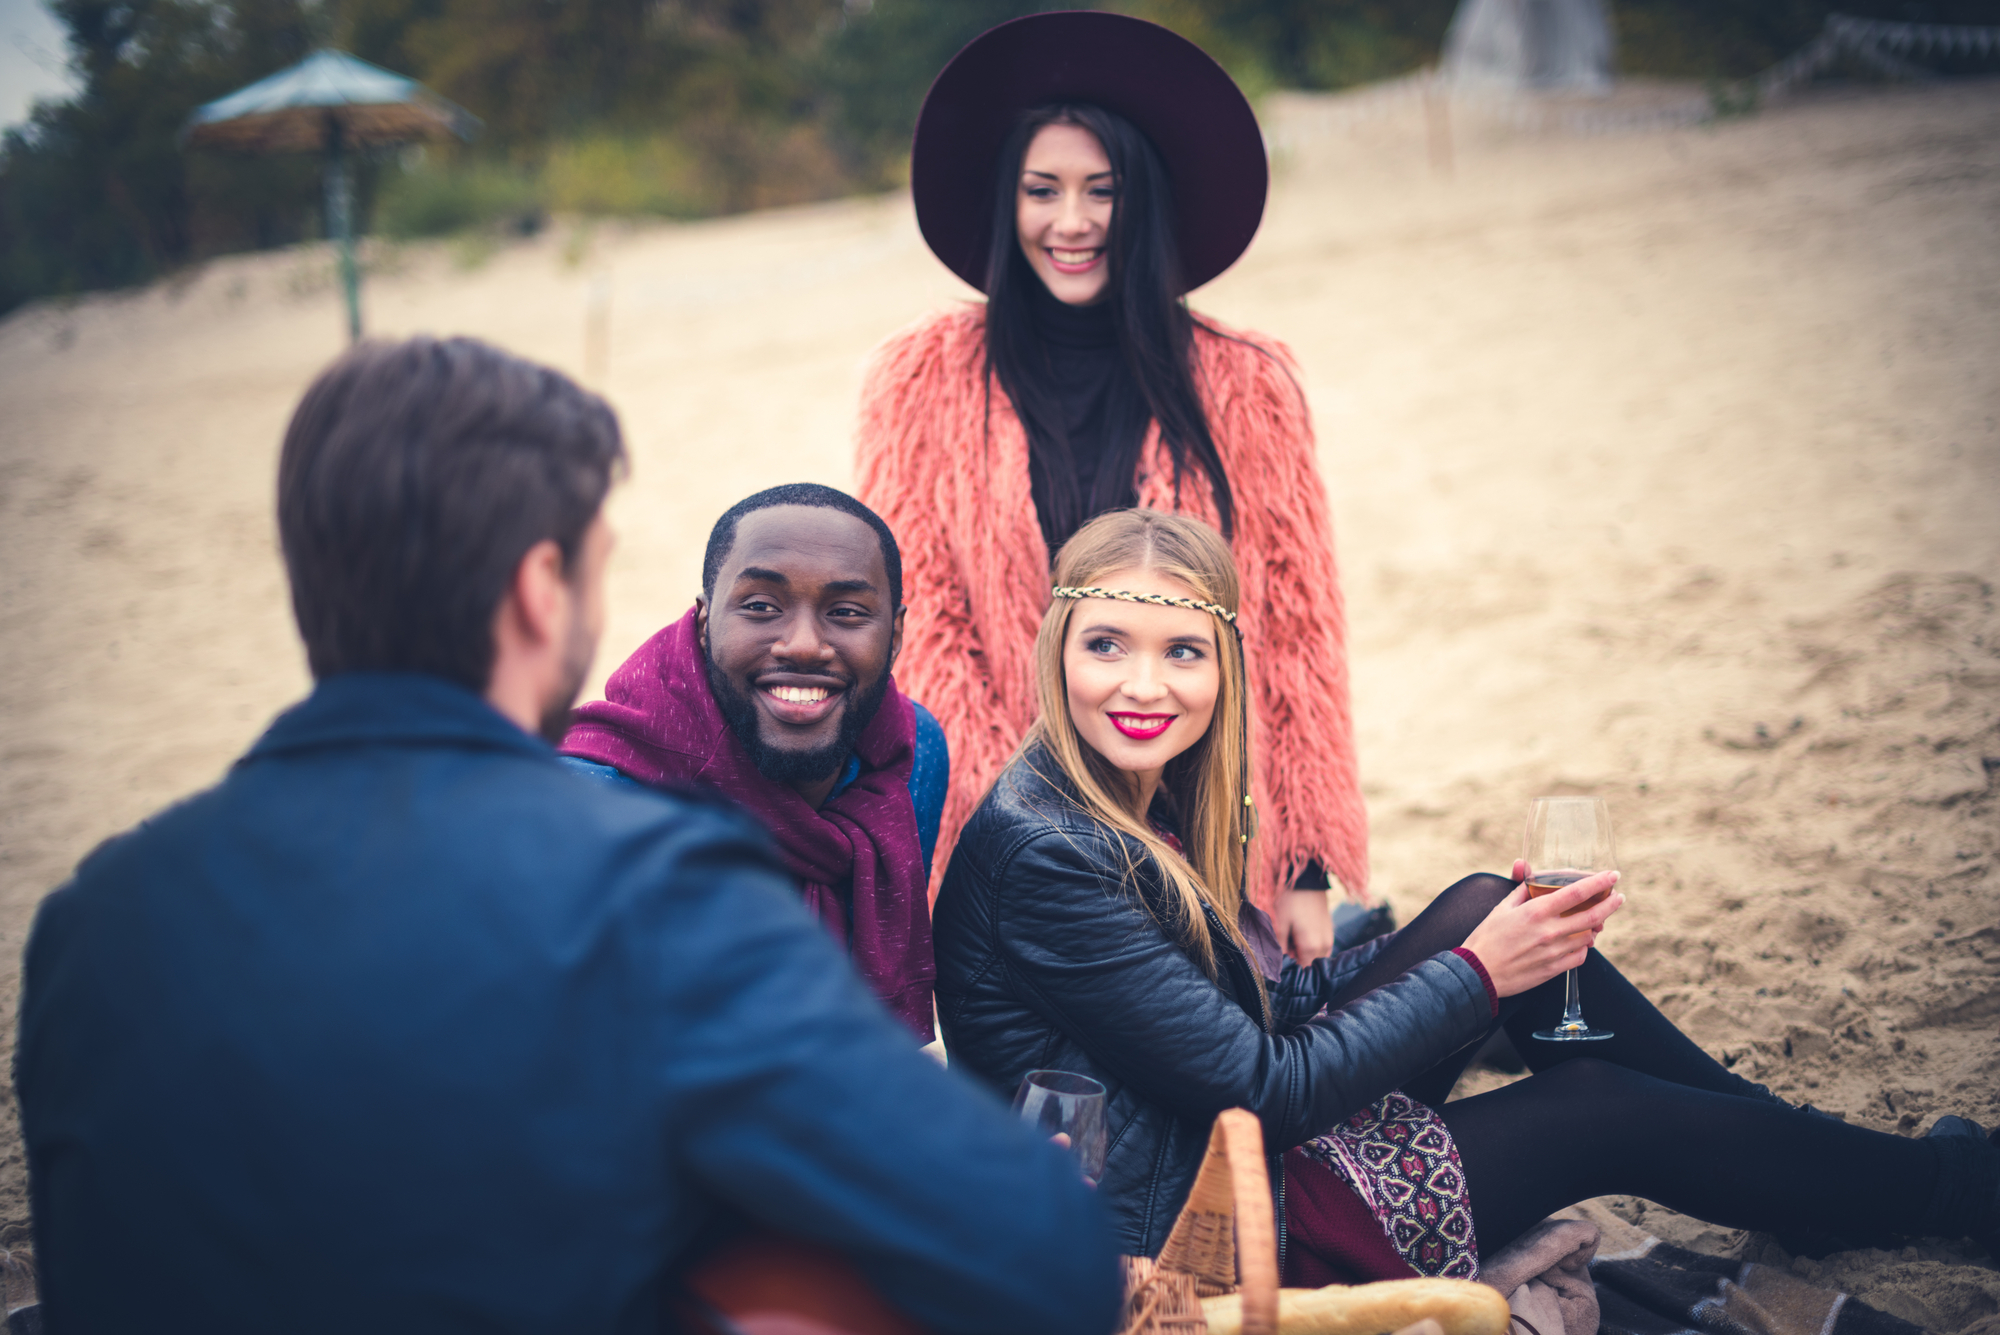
{"x": 406, "y": 1027}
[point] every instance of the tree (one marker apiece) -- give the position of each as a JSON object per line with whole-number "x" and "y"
{"x": 97, "y": 192}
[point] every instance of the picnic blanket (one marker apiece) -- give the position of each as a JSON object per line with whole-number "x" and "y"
{"x": 1649, "y": 1287}
{"x": 1545, "y": 1274}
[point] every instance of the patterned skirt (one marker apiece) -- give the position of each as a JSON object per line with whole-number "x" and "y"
{"x": 1398, "y": 1158}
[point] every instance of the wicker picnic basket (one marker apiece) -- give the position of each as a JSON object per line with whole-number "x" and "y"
{"x": 1226, "y": 1243}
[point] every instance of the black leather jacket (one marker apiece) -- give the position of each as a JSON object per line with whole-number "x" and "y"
{"x": 1047, "y": 958}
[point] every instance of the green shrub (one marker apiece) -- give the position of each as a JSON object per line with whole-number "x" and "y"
{"x": 442, "y": 199}
{"x": 614, "y": 176}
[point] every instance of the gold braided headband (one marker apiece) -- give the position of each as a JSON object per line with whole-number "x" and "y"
{"x": 1158, "y": 599}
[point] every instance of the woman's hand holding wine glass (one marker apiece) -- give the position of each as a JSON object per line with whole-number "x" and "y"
{"x": 1568, "y": 845}
{"x": 1526, "y": 941}
{"x": 1069, "y": 1108}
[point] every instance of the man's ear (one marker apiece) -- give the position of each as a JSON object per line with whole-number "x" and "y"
{"x": 701, "y": 621}
{"x": 539, "y": 593}
{"x": 896, "y": 636}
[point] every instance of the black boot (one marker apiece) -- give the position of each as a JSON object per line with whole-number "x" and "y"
{"x": 1355, "y": 923}
{"x": 1949, "y": 1125}
{"x": 1966, "y": 1201}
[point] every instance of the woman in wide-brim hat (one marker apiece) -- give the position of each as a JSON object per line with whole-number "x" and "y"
{"x": 1086, "y": 170}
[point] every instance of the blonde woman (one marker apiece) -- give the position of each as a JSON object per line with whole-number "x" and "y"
{"x": 1093, "y": 919}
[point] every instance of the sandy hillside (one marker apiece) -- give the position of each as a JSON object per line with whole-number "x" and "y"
{"x": 1663, "y": 465}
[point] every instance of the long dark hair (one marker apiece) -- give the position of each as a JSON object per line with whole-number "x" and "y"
{"x": 1155, "y": 330}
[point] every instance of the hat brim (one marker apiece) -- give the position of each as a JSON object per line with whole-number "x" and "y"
{"x": 1170, "y": 88}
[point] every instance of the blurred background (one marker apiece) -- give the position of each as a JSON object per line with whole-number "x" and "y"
{"x": 666, "y": 108}
{"x": 1657, "y": 413}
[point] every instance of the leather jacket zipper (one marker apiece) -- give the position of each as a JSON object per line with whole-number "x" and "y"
{"x": 1283, "y": 1235}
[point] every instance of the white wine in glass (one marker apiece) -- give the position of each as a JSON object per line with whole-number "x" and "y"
{"x": 1569, "y": 838}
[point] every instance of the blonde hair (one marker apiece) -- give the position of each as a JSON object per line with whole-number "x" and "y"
{"x": 1207, "y": 783}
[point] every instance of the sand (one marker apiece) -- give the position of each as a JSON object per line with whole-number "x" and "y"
{"x": 1663, "y": 466}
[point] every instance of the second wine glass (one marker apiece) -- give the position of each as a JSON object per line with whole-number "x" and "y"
{"x": 1062, "y": 1103}
{"x": 1569, "y": 838}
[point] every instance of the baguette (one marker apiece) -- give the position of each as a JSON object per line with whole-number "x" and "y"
{"x": 1459, "y": 1305}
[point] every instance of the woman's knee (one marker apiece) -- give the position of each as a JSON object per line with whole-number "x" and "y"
{"x": 1481, "y": 891}
{"x": 1592, "y": 1080}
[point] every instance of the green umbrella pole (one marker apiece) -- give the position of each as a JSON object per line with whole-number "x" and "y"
{"x": 340, "y": 222}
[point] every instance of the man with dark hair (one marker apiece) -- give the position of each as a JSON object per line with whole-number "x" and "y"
{"x": 405, "y": 1027}
{"x": 774, "y": 690}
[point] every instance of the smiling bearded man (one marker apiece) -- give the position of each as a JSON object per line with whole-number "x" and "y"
{"x": 775, "y": 690}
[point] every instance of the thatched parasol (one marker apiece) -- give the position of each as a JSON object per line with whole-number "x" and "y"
{"x": 329, "y": 103}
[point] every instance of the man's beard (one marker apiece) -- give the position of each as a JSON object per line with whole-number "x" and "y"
{"x": 577, "y": 654}
{"x": 784, "y": 765}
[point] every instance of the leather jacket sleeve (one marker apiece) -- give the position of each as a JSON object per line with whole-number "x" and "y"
{"x": 1299, "y": 993}
{"x": 1085, "y": 951}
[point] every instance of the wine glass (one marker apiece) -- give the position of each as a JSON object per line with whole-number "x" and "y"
{"x": 1062, "y": 1103}
{"x": 1569, "y": 838}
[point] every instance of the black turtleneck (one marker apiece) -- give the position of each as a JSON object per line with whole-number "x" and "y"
{"x": 1101, "y": 409}
{"x": 1103, "y": 412}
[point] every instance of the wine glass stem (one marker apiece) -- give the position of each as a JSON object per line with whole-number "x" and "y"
{"x": 1572, "y": 1003}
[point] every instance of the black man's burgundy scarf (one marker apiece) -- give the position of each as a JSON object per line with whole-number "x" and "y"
{"x": 858, "y": 858}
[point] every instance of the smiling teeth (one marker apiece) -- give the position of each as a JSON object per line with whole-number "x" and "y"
{"x": 1074, "y": 256}
{"x": 800, "y": 695}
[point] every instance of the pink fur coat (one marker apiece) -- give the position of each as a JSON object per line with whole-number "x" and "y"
{"x": 976, "y": 575}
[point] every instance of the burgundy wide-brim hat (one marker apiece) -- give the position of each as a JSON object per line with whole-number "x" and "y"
{"x": 1181, "y": 99}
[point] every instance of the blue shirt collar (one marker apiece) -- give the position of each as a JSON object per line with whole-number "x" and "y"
{"x": 406, "y": 708}
{"x": 848, "y": 774}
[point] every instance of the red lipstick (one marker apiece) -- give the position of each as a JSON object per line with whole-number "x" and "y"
{"x": 1141, "y": 727}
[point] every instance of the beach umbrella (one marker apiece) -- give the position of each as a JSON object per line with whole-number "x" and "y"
{"x": 332, "y": 104}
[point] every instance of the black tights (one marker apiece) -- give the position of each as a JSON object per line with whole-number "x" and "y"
{"x": 1646, "y": 1113}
